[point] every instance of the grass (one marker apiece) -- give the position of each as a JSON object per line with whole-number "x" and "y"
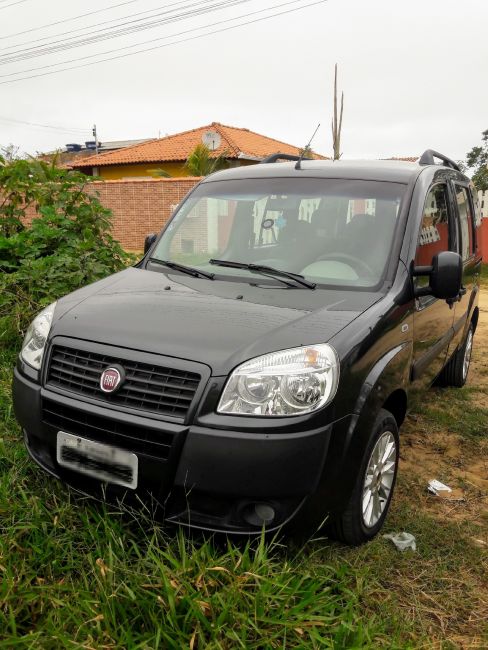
{"x": 78, "y": 574}
{"x": 484, "y": 273}
{"x": 463, "y": 416}
{"x": 484, "y": 276}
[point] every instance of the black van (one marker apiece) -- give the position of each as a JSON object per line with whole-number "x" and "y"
{"x": 255, "y": 367}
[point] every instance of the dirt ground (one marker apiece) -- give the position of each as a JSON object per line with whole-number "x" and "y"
{"x": 433, "y": 451}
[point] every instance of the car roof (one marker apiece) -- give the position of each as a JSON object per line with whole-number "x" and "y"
{"x": 398, "y": 171}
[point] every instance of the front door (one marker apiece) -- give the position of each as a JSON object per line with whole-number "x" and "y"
{"x": 433, "y": 318}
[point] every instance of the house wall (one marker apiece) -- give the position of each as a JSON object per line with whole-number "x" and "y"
{"x": 483, "y": 235}
{"x": 139, "y": 207}
{"x": 483, "y": 201}
{"x": 484, "y": 239}
{"x": 174, "y": 169}
{"x": 116, "y": 172}
{"x": 142, "y": 206}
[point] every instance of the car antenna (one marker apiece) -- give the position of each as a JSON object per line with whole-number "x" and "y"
{"x": 302, "y": 155}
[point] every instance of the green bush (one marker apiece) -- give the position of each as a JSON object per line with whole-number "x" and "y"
{"x": 67, "y": 246}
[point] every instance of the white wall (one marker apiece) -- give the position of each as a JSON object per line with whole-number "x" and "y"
{"x": 483, "y": 199}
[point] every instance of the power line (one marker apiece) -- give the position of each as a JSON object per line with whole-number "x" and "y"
{"x": 109, "y": 31}
{"x": 153, "y": 40}
{"x": 185, "y": 40}
{"x": 195, "y": 9}
{"x": 12, "y": 4}
{"x": 45, "y": 126}
{"x": 67, "y": 20}
{"x": 66, "y": 132}
{"x": 128, "y": 47}
{"x": 78, "y": 29}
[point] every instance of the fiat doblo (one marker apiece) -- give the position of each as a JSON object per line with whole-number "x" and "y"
{"x": 254, "y": 368}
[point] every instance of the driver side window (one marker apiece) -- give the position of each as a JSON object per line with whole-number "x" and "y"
{"x": 434, "y": 231}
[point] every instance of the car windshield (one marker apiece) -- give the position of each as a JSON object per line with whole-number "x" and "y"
{"x": 331, "y": 231}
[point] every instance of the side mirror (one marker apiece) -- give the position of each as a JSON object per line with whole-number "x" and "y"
{"x": 446, "y": 274}
{"x": 149, "y": 241}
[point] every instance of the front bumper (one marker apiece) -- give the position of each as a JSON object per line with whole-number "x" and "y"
{"x": 208, "y": 478}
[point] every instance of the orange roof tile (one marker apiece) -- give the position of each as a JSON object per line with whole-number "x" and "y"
{"x": 237, "y": 143}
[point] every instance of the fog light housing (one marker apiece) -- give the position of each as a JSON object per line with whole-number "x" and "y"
{"x": 258, "y": 514}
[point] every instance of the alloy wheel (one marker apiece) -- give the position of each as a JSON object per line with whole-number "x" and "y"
{"x": 467, "y": 353}
{"x": 379, "y": 477}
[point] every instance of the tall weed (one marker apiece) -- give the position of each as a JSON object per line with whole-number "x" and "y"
{"x": 68, "y": 244}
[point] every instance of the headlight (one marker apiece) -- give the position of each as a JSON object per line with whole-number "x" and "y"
{"x": 289, "y": 382}
{"x": 36, "y": 337}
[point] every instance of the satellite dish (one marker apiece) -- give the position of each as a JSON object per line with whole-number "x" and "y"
{"x": 212, "y": 140}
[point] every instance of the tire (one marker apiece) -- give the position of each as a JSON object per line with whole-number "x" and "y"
{"x": 353, "y": 525}
{"x": 456, "y": 371}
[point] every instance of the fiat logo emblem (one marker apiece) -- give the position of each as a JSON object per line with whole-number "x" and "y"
{"x": 111, "y": 379}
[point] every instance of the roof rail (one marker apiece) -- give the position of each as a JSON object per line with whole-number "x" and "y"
{"x": 281, "y": 156}
{"x": 427, "y": 158}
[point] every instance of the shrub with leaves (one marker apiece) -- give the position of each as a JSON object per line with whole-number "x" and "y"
{"x": 201, "y": 161}
{"x": 67, "y": 245}
{"x": 477, "y": 163}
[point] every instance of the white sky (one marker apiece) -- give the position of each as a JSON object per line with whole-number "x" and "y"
{"x": 413, "y": 75}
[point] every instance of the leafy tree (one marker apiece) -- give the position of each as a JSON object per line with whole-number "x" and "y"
{"x": 477, "y": 160}
{"x": 201, "y": 163}
{"x": 307, "y": 152}
{"x": 68, "y": 244}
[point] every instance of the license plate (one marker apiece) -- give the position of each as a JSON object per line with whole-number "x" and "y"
{"x": 104, "y": 462}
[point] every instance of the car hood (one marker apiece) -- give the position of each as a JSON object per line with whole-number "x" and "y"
{"x": 218, "y": 323}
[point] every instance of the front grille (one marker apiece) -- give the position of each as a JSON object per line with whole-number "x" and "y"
{"x": 167, "y": 391}
{"x": 103, "y": 429}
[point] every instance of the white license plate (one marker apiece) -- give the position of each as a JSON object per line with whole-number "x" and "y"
{"x": 104, "y": 462}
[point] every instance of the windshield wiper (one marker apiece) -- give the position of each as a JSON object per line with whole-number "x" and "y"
{"x": 196, "y": 273}
{"x": 262, "y": 268}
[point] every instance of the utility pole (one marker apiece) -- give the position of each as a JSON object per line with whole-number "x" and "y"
{"x": 94, "y": 131}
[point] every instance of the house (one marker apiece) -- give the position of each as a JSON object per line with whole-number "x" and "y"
{"x": 74, "y": 152}
{"x": 169, "y": 154}
{"x": 483, "y": 201}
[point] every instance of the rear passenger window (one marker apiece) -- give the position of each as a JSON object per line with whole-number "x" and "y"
{"x": 434, "y": 232}
{"x": 465, "y": 221}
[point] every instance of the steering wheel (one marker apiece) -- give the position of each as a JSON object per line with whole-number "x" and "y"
{"x": 356, "y": 263}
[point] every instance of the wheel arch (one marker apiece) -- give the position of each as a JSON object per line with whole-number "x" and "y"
{"x": 475, "y": 317}
{"x": 396, "y": 403}
{"x": 383, "y": 387}
{"x": 386, "y": 385}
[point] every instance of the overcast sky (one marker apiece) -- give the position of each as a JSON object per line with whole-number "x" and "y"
{"x": 414, "y": 74}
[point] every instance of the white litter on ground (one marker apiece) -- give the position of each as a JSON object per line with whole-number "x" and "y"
{"x": 435, "y": 486}
{"x": 402, "y": 541}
